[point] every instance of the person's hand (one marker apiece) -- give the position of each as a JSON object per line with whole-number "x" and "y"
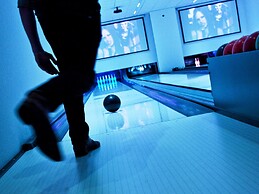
{"x": 46, "y": 62}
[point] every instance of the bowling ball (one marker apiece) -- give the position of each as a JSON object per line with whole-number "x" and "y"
{"x": 238, "y": 46}
{"x": 257, "y": 43}
{"x": 228, "y": 49}
{"x": 112, "y": 103}
{"x": 249, "y": 44}
{"x": 221, "y": 49}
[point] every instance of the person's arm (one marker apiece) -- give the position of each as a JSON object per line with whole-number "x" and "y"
{"x": 44, "y": 60}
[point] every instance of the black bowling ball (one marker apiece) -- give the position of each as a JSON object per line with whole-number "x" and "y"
{"x": 221, "y": 49}
{"x": 112, "y": 103}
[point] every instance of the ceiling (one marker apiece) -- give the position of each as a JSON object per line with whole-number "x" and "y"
{"x": 129, "y": 6}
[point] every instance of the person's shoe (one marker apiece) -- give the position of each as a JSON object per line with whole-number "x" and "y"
{"x": 32, "y": 114}
{"x": 90, "y": 145}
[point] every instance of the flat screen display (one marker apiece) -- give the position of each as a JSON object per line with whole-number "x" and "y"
{"x": 208, "y": 21}
{"x": 123, "y": 37}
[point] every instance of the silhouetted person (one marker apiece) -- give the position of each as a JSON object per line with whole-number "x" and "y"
{"x": 73, "y": 31}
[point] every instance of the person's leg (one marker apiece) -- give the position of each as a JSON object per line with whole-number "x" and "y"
{"x": 34, "y": 111}
{"x": 67, "y": 89}
{"x": 75, "y": 41}
{"x": 78, "y": 128}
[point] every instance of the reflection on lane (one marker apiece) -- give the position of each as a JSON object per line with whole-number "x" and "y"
{"x": 136, "y": 110}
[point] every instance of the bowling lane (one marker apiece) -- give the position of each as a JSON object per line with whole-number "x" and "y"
{"x": 136, "y": 110}
{"x": 206, "y": 153}
{"x": 193, "y": 80}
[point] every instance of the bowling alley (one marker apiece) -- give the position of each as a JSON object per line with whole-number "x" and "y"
{"x": 129, "y": 97}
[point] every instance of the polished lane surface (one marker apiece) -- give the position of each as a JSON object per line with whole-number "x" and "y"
{"x": 146, "y": 148}
{"x": 136, "y": 110}
{"x": 193, "y": 80}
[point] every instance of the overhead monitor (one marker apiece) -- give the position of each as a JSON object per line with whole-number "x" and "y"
{"x": 211, "y": 20}
{"x": 123, "y": 37}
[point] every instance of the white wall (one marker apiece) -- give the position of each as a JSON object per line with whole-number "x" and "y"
{"x": 130, "y": 60}
{"x": 167, "y": 39}
{"x": 251, "y": 12}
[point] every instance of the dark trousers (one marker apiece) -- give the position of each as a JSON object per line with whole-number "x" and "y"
{"x": 74, "y": 39}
